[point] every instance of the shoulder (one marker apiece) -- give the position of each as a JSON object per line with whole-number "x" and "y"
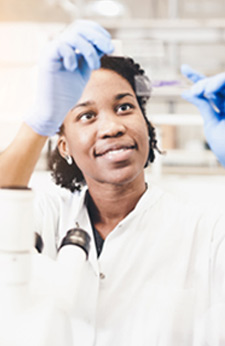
{"x": 52, "y": 211}
{"x": 53, "y": 201}
{"x": 174, "y": 208}
{"x": 168, "y": 202}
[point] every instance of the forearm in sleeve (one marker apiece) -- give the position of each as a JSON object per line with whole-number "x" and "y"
{"x": 18, "y": 161}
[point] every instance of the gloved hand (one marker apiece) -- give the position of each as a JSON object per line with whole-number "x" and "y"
{"x": 208, "y": 94}
{"x": 63, "y": 73}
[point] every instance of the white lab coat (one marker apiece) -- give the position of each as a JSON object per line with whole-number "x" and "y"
{"x": 159, "y": 280}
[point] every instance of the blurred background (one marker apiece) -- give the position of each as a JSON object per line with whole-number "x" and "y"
{"x": 161, "y": 35}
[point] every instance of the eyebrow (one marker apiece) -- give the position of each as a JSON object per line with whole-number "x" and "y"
{"x": 120, "y": 96}
{"x": 83, "y": 104}
{"x": 91, "y": 103}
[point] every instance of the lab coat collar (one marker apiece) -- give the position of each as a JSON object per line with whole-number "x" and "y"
{"x": 149, "y": 198}
{"x": 83, "y": 220}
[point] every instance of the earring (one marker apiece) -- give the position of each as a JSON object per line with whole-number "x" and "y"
{"x": 69, "y": 159}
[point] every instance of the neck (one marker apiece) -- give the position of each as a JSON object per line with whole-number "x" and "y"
{"x": 109, "y": 204}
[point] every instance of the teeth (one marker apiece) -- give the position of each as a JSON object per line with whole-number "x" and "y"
{"x": 116, "y": 151}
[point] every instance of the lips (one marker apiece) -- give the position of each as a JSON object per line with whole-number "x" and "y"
{"x": 113, "y": 149}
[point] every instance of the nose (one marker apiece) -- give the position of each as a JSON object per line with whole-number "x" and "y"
{"x": 111, "y": 125}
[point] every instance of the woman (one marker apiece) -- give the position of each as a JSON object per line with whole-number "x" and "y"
{"x": 157, "y": 265}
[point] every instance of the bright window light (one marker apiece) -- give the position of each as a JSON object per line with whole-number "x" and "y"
{"x": 110, "y": 8}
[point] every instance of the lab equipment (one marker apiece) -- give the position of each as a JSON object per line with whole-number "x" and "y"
{"x": 143, "y": 86}
{"x": 64, "y": 70}
{"x": 169, "y": 83}
{"x": 37, "y": 295}
{"x": 182, "y": 85}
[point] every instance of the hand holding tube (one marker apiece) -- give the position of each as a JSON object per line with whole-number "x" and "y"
{"x": 63, "y": 73}
{"x": 208, "y": 94}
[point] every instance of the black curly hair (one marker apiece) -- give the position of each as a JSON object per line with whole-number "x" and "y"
{"x": 70, "y": 176}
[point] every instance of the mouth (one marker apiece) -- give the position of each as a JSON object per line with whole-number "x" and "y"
{"x": 114, "y": 150}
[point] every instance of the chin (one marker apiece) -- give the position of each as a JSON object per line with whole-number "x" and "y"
{"x": 121, "y": 178}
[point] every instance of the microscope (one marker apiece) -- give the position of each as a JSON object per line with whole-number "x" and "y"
{"x": 38, "y": 295}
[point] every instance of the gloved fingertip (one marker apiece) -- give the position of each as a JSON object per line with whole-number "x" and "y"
{"x": 185, "y": 68}
{"x": 70, "y": 63}
{"x": 93, "y": 62}
{"x": 95, "y": 65}
{"x": 72, "y": 66}
{"x": 108, "y": 50}
{"x": 198, "y": 89}
{"x": 190, "y": 73}
{"x": 104, "y": 46}
{"x": 186, "y": 95}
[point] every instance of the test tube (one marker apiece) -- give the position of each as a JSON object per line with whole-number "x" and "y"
{"x": 182, "y": 85}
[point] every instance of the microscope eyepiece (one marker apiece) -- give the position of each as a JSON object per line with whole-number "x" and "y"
{"x": 78, "y": 237}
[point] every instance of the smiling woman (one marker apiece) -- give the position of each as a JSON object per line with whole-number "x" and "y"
{"x": 156, "y": 266}
{"x": 70, "y": 176}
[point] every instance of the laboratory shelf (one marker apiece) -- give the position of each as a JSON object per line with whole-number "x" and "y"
{"x": 176, "y": 119}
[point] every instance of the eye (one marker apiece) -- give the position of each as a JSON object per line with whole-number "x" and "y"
{"x": 124, "y": 108}
{"x": 86, "y": 117}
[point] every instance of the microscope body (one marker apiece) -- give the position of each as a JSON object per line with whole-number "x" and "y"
{"x": 38, "y": 295}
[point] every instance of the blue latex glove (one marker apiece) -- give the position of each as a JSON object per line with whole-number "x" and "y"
{"x": 208, "y": 94}
{"x": 64, "y": 70}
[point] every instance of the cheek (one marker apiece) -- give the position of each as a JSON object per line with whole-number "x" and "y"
{"x": 143, "y": 136}
{"x": 146, "y": 146}
{"x": 79, "y": 144}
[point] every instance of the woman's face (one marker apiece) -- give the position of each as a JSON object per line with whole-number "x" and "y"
{"x": 105, "y": 132}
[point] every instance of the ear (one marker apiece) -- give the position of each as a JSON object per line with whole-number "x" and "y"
{"x": 63, "y": 146}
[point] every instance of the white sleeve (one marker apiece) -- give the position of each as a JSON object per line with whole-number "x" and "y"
{"x": 217, "y": 262}
{"x": 210, "y": 328}
{"x": 46, "y": 217}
